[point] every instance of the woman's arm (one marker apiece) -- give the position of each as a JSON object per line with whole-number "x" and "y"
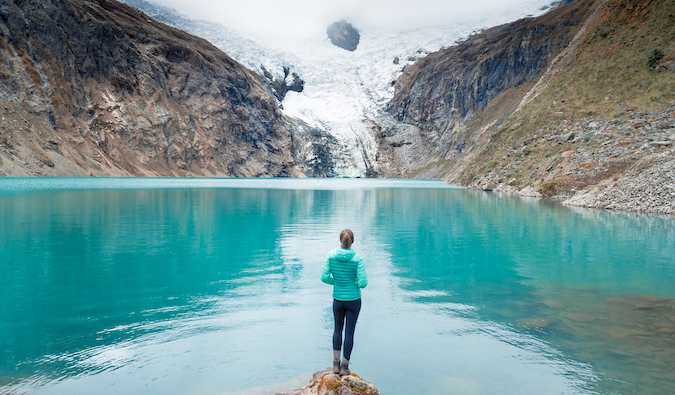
{"x": 326, "y": 275}
{"x": 361, "y": 277}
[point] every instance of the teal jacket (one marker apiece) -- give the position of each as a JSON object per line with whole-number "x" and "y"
{"x": 344, "y": 269}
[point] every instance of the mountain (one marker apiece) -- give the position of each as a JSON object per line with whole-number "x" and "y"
{"x": 576, "y": 104}
{"x": 95, "y": 87}
{"x": 339, "y": 117}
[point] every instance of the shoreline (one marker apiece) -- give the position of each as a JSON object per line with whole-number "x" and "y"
{"x": 618, "y": 164}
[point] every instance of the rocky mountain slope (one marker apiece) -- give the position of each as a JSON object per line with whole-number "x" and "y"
{"x": 577, "y": 104}
{"x": 94, "y": 87}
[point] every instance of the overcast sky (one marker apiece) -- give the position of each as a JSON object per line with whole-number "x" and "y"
{"x": 300, "y": 16}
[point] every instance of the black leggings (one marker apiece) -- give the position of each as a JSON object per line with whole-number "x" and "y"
{"x": 350, "y": 310}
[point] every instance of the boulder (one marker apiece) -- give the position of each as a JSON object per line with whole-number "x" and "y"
{"x": 665, "y": 66}
{"x": 326, "y": 382}
{"x": 343, "y": 35}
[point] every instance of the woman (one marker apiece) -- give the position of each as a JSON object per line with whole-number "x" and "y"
{"x": 345, "y": 270}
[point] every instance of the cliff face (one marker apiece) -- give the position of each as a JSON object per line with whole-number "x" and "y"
{"x": 94, "y": 87}
{"x": 446, "y": 90}
{"x": 583, "y": 112}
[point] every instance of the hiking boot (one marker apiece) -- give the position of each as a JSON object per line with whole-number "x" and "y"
{"x": 344, "y": 369}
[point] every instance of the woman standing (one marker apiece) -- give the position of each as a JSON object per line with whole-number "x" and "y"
{"x": 344, "y": 269}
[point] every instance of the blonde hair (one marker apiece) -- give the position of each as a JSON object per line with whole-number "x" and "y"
{"x": 347, "y": 238}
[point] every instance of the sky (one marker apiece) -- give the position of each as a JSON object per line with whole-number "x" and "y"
{"x": 302, "y": 16}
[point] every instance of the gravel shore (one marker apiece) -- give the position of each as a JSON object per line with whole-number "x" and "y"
{"x": 622, "y": 164}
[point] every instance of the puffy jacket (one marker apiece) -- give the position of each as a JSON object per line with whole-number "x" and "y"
{"x": 344, "y": 269}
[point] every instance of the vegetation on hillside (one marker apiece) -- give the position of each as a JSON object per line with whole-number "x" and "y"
{"x": 624, "y": 66}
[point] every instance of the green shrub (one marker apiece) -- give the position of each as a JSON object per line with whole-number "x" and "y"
{"x": 654, "y": 58}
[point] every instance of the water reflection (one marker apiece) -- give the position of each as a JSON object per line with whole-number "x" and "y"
{"x": 214, "y": 290}
{"x": 548, "y": 271}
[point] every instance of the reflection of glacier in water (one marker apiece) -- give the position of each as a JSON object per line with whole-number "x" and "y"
{"x": 342, "y": 89}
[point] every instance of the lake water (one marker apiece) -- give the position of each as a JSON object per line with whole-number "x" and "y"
{"x": 193, "y": 286}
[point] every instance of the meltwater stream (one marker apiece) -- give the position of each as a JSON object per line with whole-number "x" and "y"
{"x": 165, "y": 286}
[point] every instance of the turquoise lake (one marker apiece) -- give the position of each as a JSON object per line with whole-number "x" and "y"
{"x": 211, "y": 286}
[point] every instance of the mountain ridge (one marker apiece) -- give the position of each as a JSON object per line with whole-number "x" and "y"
{"x": 98, "y": 88}
{"x": 594, "y": 127}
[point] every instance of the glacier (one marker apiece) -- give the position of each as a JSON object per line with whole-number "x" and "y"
{"x": 345, "y": 92}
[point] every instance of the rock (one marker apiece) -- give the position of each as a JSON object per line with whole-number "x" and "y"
{"x": 325, "y": 382}
{"x": 567, "y": 154}
{"x": 342, "y": 34}
{"x": 662, "y": 143}
{"x": 593, "y": 124}
{"x": 52, "y": 145}
{"x": 671, "y": 137}
{"x": 568, "y": 137}
{"x": 665, "y": 66}
{"x": 280, "y": 85}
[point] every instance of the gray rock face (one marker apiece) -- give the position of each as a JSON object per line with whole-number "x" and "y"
{"x": 280, "y": 85}
{"x": 343, "y": 35}
{"x": 313, "y": 151}
{"x": 455, "y": 83}
{"x": 97, "y": 88}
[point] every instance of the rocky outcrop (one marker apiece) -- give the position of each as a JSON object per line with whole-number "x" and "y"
{"x": 94, "y": 87}
{"x": 342, "y": 34}
{"x": 314, "y": 150}
{"x": 280, "y": 85}
{"x": 326, "y": 382}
